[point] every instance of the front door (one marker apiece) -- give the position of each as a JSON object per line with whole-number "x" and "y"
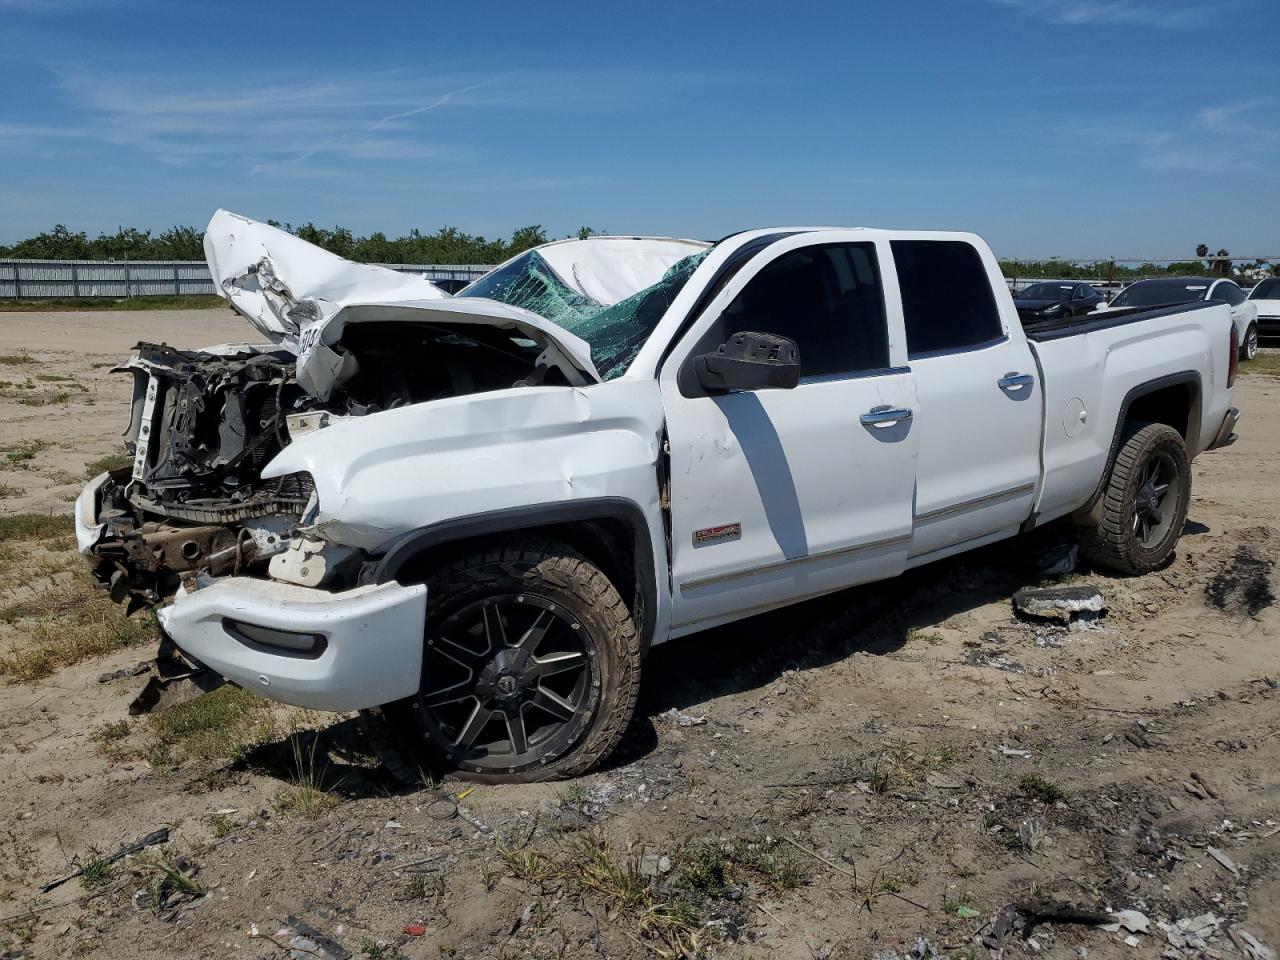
{"x": 779, "y": 494}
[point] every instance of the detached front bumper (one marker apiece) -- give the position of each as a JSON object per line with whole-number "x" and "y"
{"x": 303, "y": 646}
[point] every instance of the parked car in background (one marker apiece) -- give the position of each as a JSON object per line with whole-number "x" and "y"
{"x": 1052, "y": 299}
{"x": 1265, "y": 297}
{"x": 1167, "y": 291}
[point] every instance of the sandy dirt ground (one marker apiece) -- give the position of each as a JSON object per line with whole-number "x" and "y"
{"x": 838, "y": 780}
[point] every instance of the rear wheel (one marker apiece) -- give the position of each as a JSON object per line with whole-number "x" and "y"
{"x": 1145, "y": 502}
{"x": 531, "y": 667}
{"x": 1249, "y": 349}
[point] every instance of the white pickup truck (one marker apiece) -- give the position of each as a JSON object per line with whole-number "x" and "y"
{"x": 471, "y": 517}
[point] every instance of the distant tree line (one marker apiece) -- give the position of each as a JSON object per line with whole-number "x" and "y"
{"x": 1108, "y": 269}
{"x": 446, "y": 245}
{"x": 451, "y": 245}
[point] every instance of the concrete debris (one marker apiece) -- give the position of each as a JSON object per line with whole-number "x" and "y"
{"x": 1190, "y": 933}
{"x": 1032, "y": 833}
{"x": 1249, "y": 945}
{"x": 1009, "y": 751}
{"x": 1131, "y": 941}
{"x": 653, "y": 865}
{"x": 1134, "y": 921}
{"x": 1067, "y": 605}
{"x": 1060, "y": 560}
{"x": 1223, "y": 859}
{"x": 682, "y": 719}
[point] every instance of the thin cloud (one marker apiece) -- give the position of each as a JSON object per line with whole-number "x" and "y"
{"x": 1166, "y": 14}
{"x": 1221, "y": 139}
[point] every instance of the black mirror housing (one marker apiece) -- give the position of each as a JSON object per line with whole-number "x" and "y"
{"x": 750, "y": 361}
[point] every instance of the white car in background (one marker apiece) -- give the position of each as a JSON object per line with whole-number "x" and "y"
{"x": 1170, "y": 291}
{"x": 1265, "y": 298}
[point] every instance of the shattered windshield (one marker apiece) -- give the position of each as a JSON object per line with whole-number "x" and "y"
{"x": 615, "y": 334}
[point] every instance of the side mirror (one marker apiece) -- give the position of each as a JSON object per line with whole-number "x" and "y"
{"x": 750, "y": 361}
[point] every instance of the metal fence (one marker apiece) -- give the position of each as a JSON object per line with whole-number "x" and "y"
{"x": 148, "y": 278}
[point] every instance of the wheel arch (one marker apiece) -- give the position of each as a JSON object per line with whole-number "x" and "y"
{"x": 1173, "y": 400}
{"x": 611, "y": 532}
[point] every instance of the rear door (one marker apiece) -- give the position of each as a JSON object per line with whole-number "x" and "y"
{"x": 777, "y": 495}
{"x": 979, "y": 417}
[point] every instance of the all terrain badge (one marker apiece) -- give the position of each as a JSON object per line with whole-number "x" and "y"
{"x": 720, "y": 534}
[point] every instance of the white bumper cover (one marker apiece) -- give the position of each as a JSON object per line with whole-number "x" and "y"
{"x": 371, "y": 652}
{"x": 88, "y": 529}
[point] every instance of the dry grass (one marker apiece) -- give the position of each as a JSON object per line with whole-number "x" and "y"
{"x": 306, "y": 794}
{"x": 668, "y": 919}
{"x": 112, "y": 461}
{"x": 222, "y": 725}
{"x": 20, "y": 455}
{"x": 59, "y": 616}
{"x": 20, "y": 359}
{"x": 1266, "y": 363}
{"x": 62, "y": 641}
{"x": 34, "y": 526}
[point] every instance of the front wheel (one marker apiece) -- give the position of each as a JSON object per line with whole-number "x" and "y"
{"x": 1249, "y": 349}
{"x": 531, "y": 668}
{"x": 1144, "y": 505}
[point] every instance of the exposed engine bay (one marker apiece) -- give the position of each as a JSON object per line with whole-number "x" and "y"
{"x": 205, "y": 423}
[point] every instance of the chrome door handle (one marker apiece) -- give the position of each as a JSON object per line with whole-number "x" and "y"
{"x": 884, "y": 416}
{"x": 1015, "y": 381}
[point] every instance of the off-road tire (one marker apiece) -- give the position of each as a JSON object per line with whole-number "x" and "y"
{"x": 534, "y": 567}
{"x": 1113, "y": 543}
{"x": 1249, "y": 348}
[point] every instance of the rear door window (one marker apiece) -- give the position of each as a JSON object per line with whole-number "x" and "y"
{"x": 947, "y": 301}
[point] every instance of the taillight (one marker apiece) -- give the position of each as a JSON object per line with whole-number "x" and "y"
{"x": 1234, "y": 361}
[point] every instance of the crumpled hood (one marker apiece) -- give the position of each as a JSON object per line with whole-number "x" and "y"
{"x": 302, "y": 298}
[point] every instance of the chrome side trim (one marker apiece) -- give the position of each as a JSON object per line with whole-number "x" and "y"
{"x": 784, "y": 564}
{"x": 976, "y": 502}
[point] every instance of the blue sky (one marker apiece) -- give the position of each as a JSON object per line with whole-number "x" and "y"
{"x": 1052, "y": 127}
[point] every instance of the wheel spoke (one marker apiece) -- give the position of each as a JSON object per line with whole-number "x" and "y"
{"x": 453, "y": 693}
{"x": 554, "y": 663}
{"x": 553, "y": 703}
{"x": 516, "y": 731}
{"x": 475, "y": 724}
{"x": 1159, "y": 489}
{"x": 530, "y": 639}
{"x": 459, "y": 654}
{"x": 495, "y": 633}
{"x": 1137, "y": 518}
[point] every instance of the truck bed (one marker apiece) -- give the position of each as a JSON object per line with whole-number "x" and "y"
{"x": 1047, "y": 330}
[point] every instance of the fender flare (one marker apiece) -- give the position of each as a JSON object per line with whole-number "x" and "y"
{"x": 400, "y": 550}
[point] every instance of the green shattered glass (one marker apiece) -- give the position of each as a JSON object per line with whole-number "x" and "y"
{"x": 615, "y": 334}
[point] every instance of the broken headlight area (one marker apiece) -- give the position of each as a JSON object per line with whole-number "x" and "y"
{"x": 203, "y": 424}
{"x": 143, "y": 555}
